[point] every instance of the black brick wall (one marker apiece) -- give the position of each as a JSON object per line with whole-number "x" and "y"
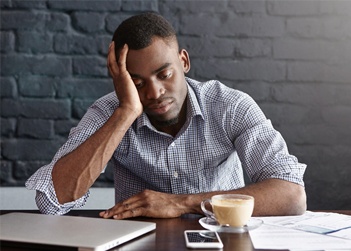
{"x": 293, "y": 57}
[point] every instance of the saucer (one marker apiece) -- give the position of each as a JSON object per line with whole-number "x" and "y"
{"x": 213, "y": 225}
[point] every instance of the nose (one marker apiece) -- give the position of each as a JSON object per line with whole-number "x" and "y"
{"x": 154, "y": 90}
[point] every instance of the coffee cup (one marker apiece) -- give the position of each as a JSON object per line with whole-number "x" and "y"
{"x": 234, "y": 210}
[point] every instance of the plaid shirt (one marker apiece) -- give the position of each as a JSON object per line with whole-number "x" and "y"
{"x": 225, "y": 132}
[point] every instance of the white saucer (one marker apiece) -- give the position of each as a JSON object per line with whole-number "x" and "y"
{"x": 213, "y": 225}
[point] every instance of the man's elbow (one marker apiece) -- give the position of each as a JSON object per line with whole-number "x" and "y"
{"x": 298, "y": 203}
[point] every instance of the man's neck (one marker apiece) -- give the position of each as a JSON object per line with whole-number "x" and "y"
{"x": 173, "y": 129}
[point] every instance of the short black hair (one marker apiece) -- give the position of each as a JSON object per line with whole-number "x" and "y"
{"x": 138, "y": 31}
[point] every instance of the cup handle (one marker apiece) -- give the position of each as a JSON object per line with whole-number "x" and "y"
{"x": 206, "y": 212}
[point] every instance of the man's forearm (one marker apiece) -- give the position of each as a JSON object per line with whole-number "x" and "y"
{"x": 272, "y": 197}
{"x": 277, "y": 197}
{"x": 75, "y": 173}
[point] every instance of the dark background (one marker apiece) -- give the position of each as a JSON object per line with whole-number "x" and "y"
{"x": 292, "y": 56}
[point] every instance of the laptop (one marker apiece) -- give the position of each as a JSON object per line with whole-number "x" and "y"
{"x": 84, "y": 233}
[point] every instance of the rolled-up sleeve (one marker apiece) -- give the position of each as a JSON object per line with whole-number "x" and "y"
{"x": 265, "y": 155}
{"x": 45, "y": 198}
{"x": 262, "y": 149}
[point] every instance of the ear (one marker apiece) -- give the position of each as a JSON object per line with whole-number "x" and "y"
{"x": 185, "y": 60}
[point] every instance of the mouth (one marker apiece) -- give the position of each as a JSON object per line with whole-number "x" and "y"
{"x": 160, "y": 108}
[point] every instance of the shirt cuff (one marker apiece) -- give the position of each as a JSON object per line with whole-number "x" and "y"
{"x": 46, "y": 199}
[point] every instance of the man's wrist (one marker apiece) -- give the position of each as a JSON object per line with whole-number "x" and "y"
{"x": 124, "y": 116}
{"x": 130, "y": 111}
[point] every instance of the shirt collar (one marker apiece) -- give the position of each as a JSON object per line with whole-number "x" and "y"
{"x": 193, "y": 109}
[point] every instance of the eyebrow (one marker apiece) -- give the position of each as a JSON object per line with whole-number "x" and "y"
{"x": 133, "y": 75}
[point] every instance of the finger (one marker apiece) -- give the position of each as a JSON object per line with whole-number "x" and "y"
{"x": 103, "y": 214}
{"x": 111, "y": 60}
{"x": 108, "y": 213}
{"x": 135, "y": 212}
{"x": 123, "y": 58}
{"x": 120, "y": 214}
{"x": 117, "y": 209}
{"x": 123, "y": 207}
{"x": 135, "y": 200}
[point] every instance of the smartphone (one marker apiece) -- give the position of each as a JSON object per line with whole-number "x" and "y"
{"x": 202, "y": 239}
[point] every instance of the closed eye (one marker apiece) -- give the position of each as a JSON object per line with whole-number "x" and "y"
{"x": 165, "y": 75}
{"x": 138, "y": 84}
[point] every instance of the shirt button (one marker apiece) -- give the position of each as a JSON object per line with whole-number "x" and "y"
{"x": 175, "y": 175}
{"x": 173, "y": 144}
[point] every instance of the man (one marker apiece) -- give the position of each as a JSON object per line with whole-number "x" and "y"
{"x": 173, "y": 141}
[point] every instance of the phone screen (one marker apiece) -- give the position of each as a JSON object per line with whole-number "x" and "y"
{"x": 202, "y": 239}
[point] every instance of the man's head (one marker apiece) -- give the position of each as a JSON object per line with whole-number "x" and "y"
{"x": 157, "y": 68}
{"x": 138, "y": 31}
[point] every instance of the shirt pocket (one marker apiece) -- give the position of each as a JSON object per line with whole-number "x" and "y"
{"x": 222, "y": 174}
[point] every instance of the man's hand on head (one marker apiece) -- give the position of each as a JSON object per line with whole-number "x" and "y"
{"x": 124, "y": 86}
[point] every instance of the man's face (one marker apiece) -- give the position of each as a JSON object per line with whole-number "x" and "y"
{"x": 158, "y": 74}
